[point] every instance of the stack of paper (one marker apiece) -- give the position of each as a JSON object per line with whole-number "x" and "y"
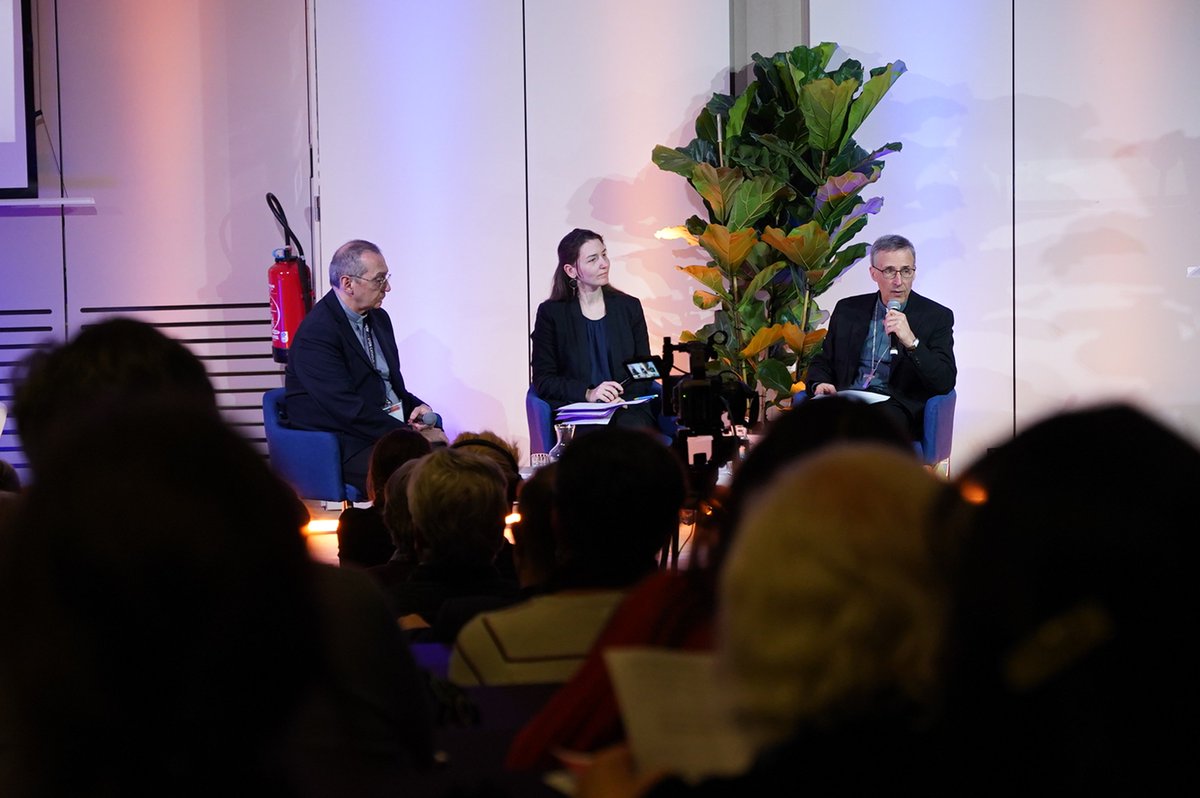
{"x": 594, "y": 412}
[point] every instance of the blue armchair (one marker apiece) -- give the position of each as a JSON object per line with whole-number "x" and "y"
{"x": 310, "y": 461}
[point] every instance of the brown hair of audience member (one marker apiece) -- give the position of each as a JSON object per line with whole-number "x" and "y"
{"x": 829, "y": 606}
{"x": 458, "y": 501}
{"x": 618, "y": 493}
{"x": 396, "y": 515}
{"x": 116, "y": 360}
{"x": 504, "y": 453}
{"x": 156, "y": 607}
{"x": 534, "y": 540}
{"x": 389, "y": 453}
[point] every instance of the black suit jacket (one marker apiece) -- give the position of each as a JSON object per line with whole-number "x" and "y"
{"x": 561, "y": 362}
{"x": 926, "y": 371}
{"x": 332, "y": 385}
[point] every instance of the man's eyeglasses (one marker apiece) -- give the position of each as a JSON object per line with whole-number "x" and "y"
{"x": 906, "y": 273}
{"x": 378, "y": 282}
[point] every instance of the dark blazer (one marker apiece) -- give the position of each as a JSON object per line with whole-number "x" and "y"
{"x": 561, "y": 363}
{"x": 926, "y": 371}
{"x": 332, "y": 385}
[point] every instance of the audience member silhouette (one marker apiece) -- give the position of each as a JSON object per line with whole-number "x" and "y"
{"x": 618, "y": 494}
{"x": 399, "y": 523}
{"x": 458, "y": 505}
{"x": 115, "y": 360}
{"x": 160, "y": 645}
{"x": 364, "y": 719}
{"x": 677, "y": 609}
{"x": 507, "y": 456}
{"x": 829, "y": 626}
{"x": 1068, "y": 669}
{"x": 534, "y": 550}
{"x": 363, "y": 537}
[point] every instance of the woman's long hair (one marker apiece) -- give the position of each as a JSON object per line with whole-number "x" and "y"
{"x": 561, "y": 289}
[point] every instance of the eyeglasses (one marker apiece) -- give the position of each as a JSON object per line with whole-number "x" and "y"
{"x": 378, "y": 282}
{"x": 906, "y": 273}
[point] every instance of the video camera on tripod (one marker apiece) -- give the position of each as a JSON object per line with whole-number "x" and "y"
{"x": 713, "y": 409}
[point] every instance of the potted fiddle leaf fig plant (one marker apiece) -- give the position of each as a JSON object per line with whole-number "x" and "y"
{"x": 781, "y": 179}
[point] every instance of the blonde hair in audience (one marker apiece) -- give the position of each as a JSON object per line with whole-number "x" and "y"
{"x": 828, "y": 601}
{"x": 458, "y": 504}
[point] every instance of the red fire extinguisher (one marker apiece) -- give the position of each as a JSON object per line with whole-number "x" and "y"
{"x": 289, "y": 286}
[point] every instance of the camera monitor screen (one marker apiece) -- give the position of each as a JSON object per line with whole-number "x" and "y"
{"x": 644, "y": 368}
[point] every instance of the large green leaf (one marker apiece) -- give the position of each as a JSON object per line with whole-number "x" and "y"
{"x": 729, "y": 248}
{"x": 753, "y": 199}
{"x": 672, "y": 160}
{"x": 709, "y": 276}
{"x": 807, "y": 246}
{"x": 825, "y": 105}
{"x": 839, "y": 263}
{"x": 793, "y": 152}
{"x": 847, "y": 185}
{"x": 762, "y": 278}
{"x": 774, "y": 376}
{"x": 705, "y": 300}
{"x": 737, "y": 114}
{"x": 881, "y": 80}
{"x": 812, "y": 60}
{"x": 718, "y": 185}
{"x": 854, "y": 221}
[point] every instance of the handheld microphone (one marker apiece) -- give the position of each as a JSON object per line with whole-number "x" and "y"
{"x": 894, "y": 304}
{"x": 429, "y": 419}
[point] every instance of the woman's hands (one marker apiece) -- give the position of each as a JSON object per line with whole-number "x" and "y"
{"x": 607, "y": 391}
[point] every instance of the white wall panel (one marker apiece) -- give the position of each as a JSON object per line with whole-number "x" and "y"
{"x": 950, "y": 189}
{"x": 607, "y": 82}
{"x": 1107, "y": 184}
{"x": 422, "y": 150}
{"x": 178, "y": 118}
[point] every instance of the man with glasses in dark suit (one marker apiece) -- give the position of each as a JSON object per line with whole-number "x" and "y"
{"x": 343, "y": 372}
{"x": 894, "y": 343}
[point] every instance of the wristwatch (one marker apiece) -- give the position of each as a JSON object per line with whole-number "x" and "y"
{"x": 915, "y": 342}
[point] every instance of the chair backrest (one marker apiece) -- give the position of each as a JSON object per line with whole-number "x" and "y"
{"x": 310, "y": 461}
{"x": 541, "y": 422}
{"x": 938, "y": 435}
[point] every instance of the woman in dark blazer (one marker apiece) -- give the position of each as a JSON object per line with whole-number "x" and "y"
{"x": 586, "y": 331}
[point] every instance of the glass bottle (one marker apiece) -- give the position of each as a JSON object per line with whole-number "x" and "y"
{"x": 565, "y": 433}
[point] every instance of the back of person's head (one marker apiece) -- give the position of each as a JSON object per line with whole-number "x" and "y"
{"x": 116, "y": 360}
{"x": 828, "y": 608}
{"x": 1069, "y": 658}
{"x": 458, "y": 502}
{"x": 396, "y": 515}
{"x": 618, "y": 496}
{"x": 808, "y": 427}
{"x": 389, "y": 453}
{"x": 535, "y": 543}
{"x": 504, "y": 453}
{"x": 156, "y": 607}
